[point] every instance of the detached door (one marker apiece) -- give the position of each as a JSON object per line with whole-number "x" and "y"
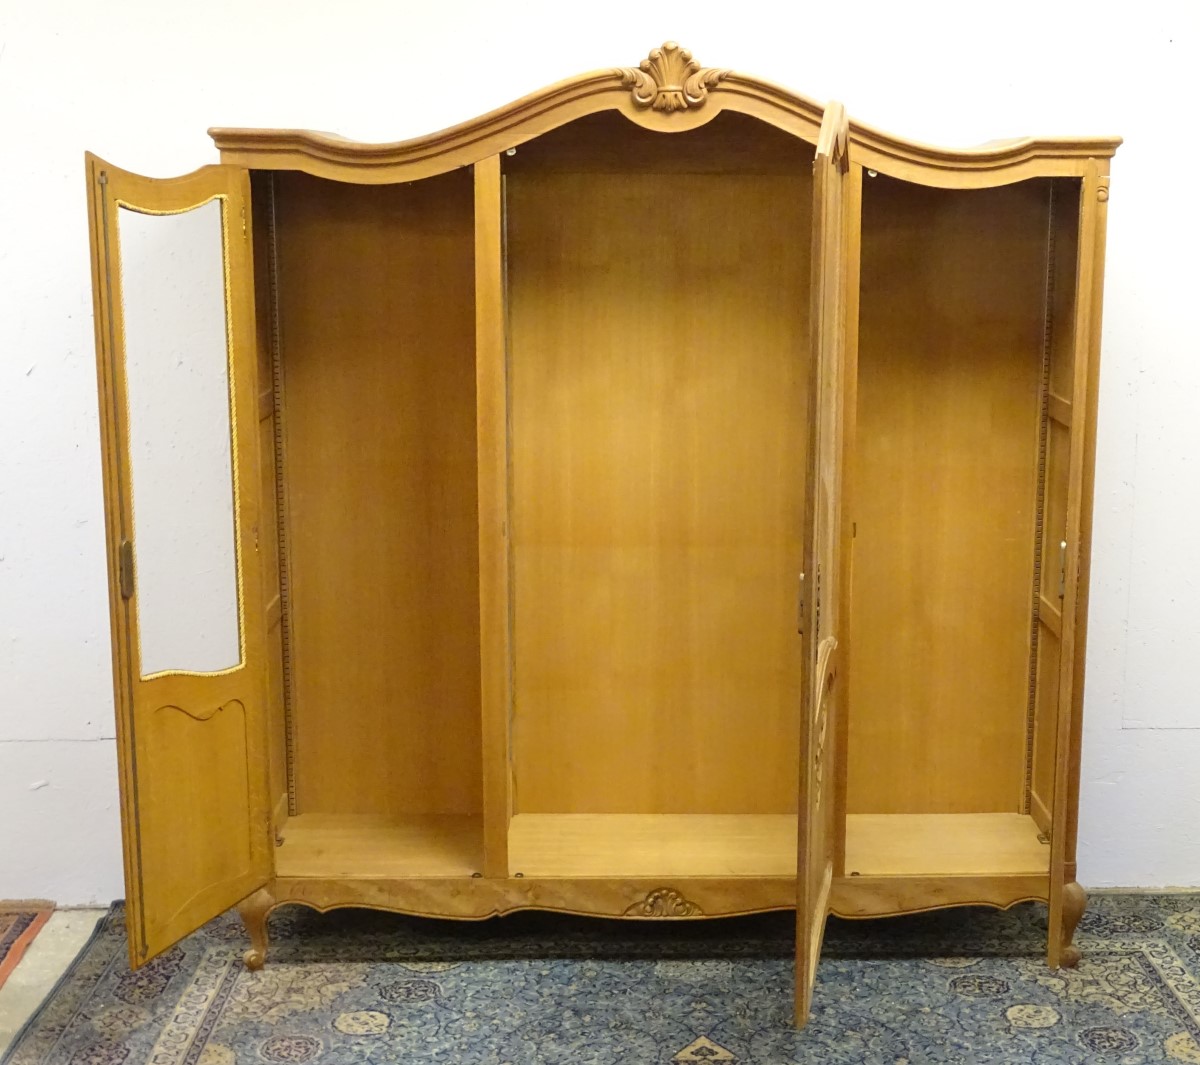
{"x": 171, "y": 267}
{"x": 820, "y": 616}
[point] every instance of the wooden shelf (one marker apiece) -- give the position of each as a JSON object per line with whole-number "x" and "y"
{"x": 683, "y": 845}
{"x": 691, "y": 845}
{"x": 362, "y": 845}
{"x": 944, "y": 845}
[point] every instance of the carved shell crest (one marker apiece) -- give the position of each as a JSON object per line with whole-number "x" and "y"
{"x": 669, "y": 79}
{"x": 664, "y": 902}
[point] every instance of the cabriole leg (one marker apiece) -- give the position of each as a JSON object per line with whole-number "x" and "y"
{"x": 254, "y": 910}
{"x": 1074, "y": 903}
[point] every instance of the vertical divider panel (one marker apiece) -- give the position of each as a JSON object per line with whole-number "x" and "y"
{"x": 270, "y": 535}
{"x": 492, "y": 441}
{"x": 852, "y": 246}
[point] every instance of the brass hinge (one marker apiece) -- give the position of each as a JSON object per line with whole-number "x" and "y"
{"x": 817, "y": 617}
{"x": 103, "y": 178}
{"x": 125, "y": 569}
{"x": 800, "y": 605}
{"x": 1062, "y": 570}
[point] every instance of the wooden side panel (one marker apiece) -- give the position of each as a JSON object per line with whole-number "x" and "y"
{"x": 1067, "y": 898}
{"x": 191, "y": 739}
{"x": 945, "y": 476}
{"x": 658, "y": 367}
{"x": 377, "y": 322}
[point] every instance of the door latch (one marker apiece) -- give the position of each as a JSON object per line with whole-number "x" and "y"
{"x": 125, "y": 568}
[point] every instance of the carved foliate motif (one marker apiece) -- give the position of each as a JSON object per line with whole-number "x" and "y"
{"x": 822, "y": 730}
{"x": 669, "y": 79}
{"x": 664, "y": 902}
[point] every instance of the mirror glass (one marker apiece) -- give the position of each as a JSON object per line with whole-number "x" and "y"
{"x": 180, "y": 438}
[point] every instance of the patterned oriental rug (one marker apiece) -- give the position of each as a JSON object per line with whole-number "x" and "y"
{"x": 19, "y": 923}
{"x": 352, "y": 986}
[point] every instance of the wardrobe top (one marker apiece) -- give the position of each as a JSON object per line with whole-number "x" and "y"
{"x": 668, "y": 92}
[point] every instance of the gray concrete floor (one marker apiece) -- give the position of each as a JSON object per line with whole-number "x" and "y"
{"x": 52, "y": 950}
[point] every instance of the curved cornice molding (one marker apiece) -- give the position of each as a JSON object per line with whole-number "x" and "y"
{"x": 668, "y": 92}
{"x": 997, "y": 162}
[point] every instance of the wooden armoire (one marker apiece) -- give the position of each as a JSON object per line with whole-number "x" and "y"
{"x": 660, "y": 498}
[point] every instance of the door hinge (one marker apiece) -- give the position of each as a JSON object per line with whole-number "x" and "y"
{"x": 1062, "y": 570}
{"x": 103, "y": 178}
{"x": 817, "y": 618}
{"x": 125, "y": 568}
{"x": 800, "y": 605}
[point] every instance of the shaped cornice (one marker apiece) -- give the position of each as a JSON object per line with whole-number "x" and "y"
{"x": 669, "y": 91}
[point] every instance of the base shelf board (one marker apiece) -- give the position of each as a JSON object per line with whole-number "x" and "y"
{"x": 341, "y": 846}
{"x": 669, "y": 845}
{"x": 366, "y": 846}
{"x": 931, "y": 845}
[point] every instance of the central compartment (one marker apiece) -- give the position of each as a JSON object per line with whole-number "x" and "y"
{"x": 658, "y": 291}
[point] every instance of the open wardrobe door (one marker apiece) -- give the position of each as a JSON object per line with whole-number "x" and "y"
{"x": 819, "y": 613}
{"x": 172, "y": 272}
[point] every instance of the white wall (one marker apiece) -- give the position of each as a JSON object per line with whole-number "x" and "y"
{"x": 139, "y": 81}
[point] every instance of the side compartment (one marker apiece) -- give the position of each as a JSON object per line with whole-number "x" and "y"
{"x": 960, "y": 482}
{"x": 373, "y": 341}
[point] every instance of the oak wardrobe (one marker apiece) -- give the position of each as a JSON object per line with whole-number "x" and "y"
{"x": 660, "y": 498}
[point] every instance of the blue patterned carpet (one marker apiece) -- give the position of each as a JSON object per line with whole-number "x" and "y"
{"x": 961, "y": 986}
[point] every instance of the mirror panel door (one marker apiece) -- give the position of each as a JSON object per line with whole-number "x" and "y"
{"x": 175, "y": 341}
